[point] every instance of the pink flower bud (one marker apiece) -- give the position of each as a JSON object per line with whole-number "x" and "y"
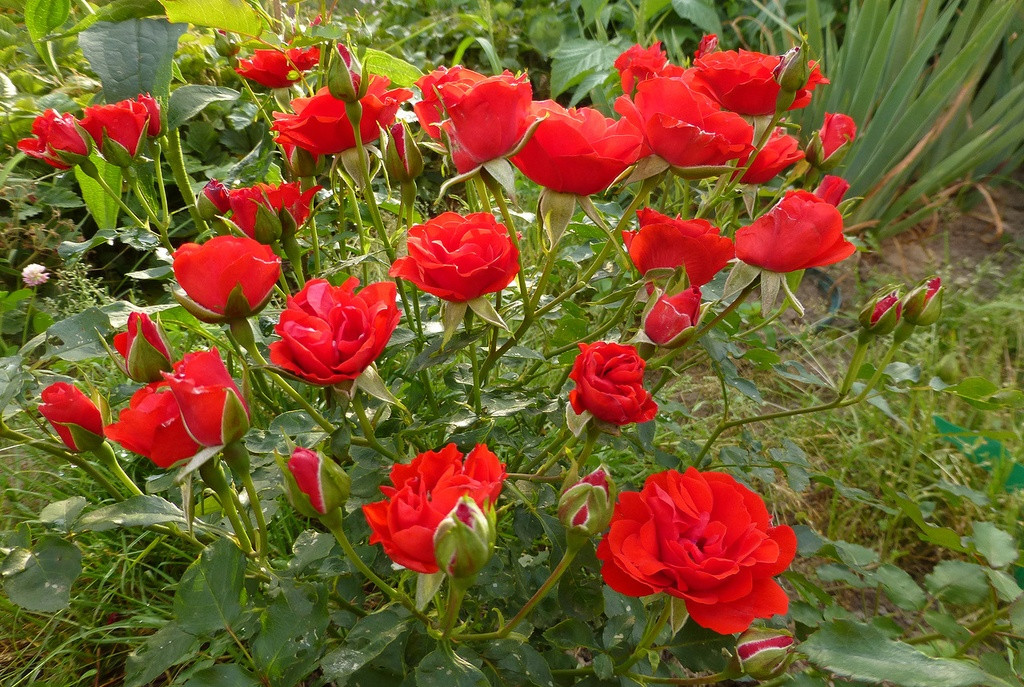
{"x": 672, "y": 319}
{"x": 708, "y": 44}
{"x": 881, "y": 313}
{"x": 314, "y": 485}
{"x": 464, "y": 540}
{"x": 144, "y": 348}
{"x": 585, "y": 508}
{"x": 764, "y": 653}
{"x": 923, "y": 305}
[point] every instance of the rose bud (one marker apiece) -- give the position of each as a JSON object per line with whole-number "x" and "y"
{"x": 211, "y": 404}
{"x": 830, "y": 144}
{"x": 402, "y": 157}
{"x": 791, "y": 75}
{"x": 764, "y": 653}
{"x": 314, "y": 485}
{"x": 672, "y": 320}
{"x": 585, "y": 508}
{"x": 832, "y": 189}
{"x": 923, "y": 305}
{"x": 117, "y": 129}
{"x": 57, "y": 139}
{"x": 881, "y": 314}
{"x": 153, "y": 107}
{"x": 74, "y": 417}
{"x": 464, "y": 540}
{"x": 343, "y": 79}
{"x": 708, "y": 44}
{"x": 213, "y": 200}
{"x": 144, "y": 348}
{"x": 227, "y": 278}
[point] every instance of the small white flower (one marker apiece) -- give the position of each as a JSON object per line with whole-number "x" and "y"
{"x": 34, "y": 275}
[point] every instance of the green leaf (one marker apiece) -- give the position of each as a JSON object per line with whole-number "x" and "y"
{"x": 578, "y": 58}
{"x": 223, "y": 675}
{"x": 400, "y": 72}
{"x": 43, "y": 16}
{"x": 132, "y": 57}
{"x": 138, "y": 511}
{"x": 701, "y": 13}
{"x": 998, "y": 547}
{"x": 13, "y": 379}
{"x": 862, "y": 652}
{"x": 571, "y": 634}
{"x": 367, "y": 639}
{"x": 188, "y": 101}
{"x": 230, "y": 15}
{"x": 444, "y": 668}
{"x": 119, "y": 11}
{"x": 292, "y": 633}
{"x": 519, "y": 663}
{"x": 101, "y": 206}
{"x": 62, "y": 514}
{"x": 901, "y": 588}
{"x": 958, "y": 582}
{"x": 168, "y": 647}
{"x": 40, "y": 578}
{"x": 209, "y": 596}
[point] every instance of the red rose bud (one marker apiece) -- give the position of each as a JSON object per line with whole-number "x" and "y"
{"x": 791, "y": 74}
{"x": 278, "y": 68}
{"x": 708, "y": 44}
{"x": 343, "y": 79}
{"x": 585, "y": 508}
{"x": 144, "y": 348}
{"x": 609, "y": 383}
{"x": 464, "y": 540}
{"x": 780, "y": 151}
{"x": 923, "y": 305}
{"x": 830, "y": 144}
{"x": 117, "y": 129}
{"x": 74, "y": 417}
{"x": 153, "y": 107}
{"x": 211, "y": 404}
{"x": 213, "y": 200}
{"x": 881, "y": 313}
{"x": 151, "y": 426}
{"x": 265, "y": 212}
{"x": 672, "y": 320}
{"x": 764, "y": 653}
{"x": 57, "y": 139}
{"x": 314, "y": 485}
{"x": 832, "y": 189}
{"x": 402, "y": 157}
{"x": 227, "y": 278}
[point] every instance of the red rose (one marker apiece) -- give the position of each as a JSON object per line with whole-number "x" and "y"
{"x": 212, "y": 407}
{"x": 424, "y": 492}
{"x": 330, "y": 334}
{"x": 278, "y": 68}
{"x": 73, "y": 415}
{"x": 286, "y": 202}
{"x": 663, "y": 242}
{"x": 708, "y": 44}
{"x": 214, "y": 199}
{"x": 56, "y": 139}
{"x": 487, "y": 119}
{"x": 779, "y": 152}
{"x": 835, "y": 132}
{"x": 459, "y": 258}
{"x": 152, "y": 106}
{"x": 123, "y": 123}
{"x": 226, "y": 278}
{"x": 801, "y": 231}
{"x": 684, "y": 127}
{"x": 673, "y": 315}
{"x": 577, "y": 151}
{"x": 321, "y": 126}
{"x": 832, "y": 189}
{"x": 144, "y": 348}
{"x": 703, "y": 538}
{"x": 431, "y": 110}
{"x": 151, "y": 426}
{"x": 744, "y": 81}
{"x": 610, "y": 384}
{"x": 313, "y": 484}
{"x": 639, "y": 64}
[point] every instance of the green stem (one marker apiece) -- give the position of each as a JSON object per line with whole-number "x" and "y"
{"x": 592, "y": 434}
{"x": 236, "y": 455}
{"x": 181, "y": 179}
{"x": 106, "y": 456}
{"x": 133, "y": 182}
{"x": 855, "y": 364}
{"x": 116, "y": 197}
{"x": 726, "y": 674}
{"x": 499, "y": 198}
{"x": 214, "y": 478}
{"x": 367, "y": 427}
{"x": 648, "y": 637}
{"x": 456, "y": 593}
{"x": 475, "y": 363}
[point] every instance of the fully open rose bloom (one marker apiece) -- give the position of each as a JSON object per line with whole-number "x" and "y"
{"x": 744, "y": 82}
{"x": 56, "y": 139}
{"x": 683, "y": 127}
{"x": 577, "y": 151}
{"x": 423, "y": 493}
{"x": 330, "y": 334}
{"x": 211, "y": 404}
{"x": 663, "y": 242}
{"x": 639, "y": 64}
{"x": 226, "y": 278}
{"x": 801, "y": 231}
{"x": 74, "y": 417}
{"x": 459, "y": 258}
{"x": 704, "y": 538}
{"x": 321, "y": 126}
{"x": 151, "y": 426}
{"x": 610, "y": 384}
{"x": 278, "y": 68}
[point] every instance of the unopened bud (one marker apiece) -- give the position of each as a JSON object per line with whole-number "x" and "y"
{"x": 791, "y": 75}
{"x": 881, "y": 313}
{"x": 585, "y": 508}
{"x": 832, "y": 189}
{"x": 708, "y": 44}
{"x": 402, "y": 156}
{"x": 343, "y": 79}
{"x": 144, "y": 349}
{"x": 671, "y": 321}
{"x": 764, "y": 653}
{"x": 213, "y": 200}
{"x": 314, "y": 485}
{"x": 464, "y": 540}
{"x": 923, "y": 305}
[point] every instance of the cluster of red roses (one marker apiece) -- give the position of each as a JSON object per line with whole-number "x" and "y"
{"x": 699, "y": 536}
